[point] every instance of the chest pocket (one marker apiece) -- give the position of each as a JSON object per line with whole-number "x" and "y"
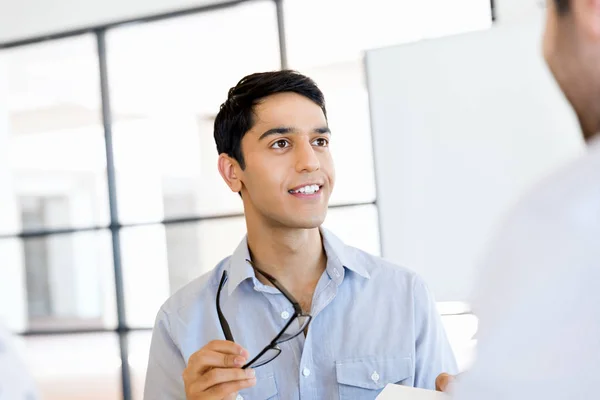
{"x": 265, "y": 389}
{"x": 364, "y": 378}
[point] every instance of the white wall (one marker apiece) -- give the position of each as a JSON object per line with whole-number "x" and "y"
{"x": 514, "y": 11}
{"x": 461, "y": 126}
{"x": 31, "y": 18}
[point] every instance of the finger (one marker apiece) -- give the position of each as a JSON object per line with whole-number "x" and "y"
{"x": 443, "y": 381}
{"x": 216, "y": 355}
{"x": 212, "y": 359}
{"x": 225, "y": 389}
{"x": 219, "y": 376}
{"x": 225, "y": 346}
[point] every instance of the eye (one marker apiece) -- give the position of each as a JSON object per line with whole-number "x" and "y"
{"x": 280, "y": 144}
{"x": 321, "y": 142}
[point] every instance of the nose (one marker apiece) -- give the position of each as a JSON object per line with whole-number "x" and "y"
{"x": 306, "y": 158}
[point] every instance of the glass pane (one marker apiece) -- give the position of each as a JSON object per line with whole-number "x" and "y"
{"x": 75, "y": 367}
{"x": 58, "y": 282}
{"x": 167, "y": 82}
{"x": 52, "y": 155}
{"x": 333, "y": 58}
{"x": 159, "y": 260}
{"x": 357, "y": 226}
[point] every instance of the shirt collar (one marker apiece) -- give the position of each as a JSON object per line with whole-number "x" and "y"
{"x": 239, "y": 268}
{"x": 339, "y": 256}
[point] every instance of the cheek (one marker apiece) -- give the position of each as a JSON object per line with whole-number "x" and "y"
{"x": 264, "y": 181}
{"x": 328, "y": 167}
{"x": 548, "y": 46}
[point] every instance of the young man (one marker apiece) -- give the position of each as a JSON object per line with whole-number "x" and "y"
{"x": 539, "y": 320}
{"x": 345, "y": 323}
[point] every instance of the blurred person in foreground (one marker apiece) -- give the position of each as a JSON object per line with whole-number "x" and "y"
{"x": 16, "y": 382}
{"x": 539, "y": 335}
{"x": 311, "y": 317}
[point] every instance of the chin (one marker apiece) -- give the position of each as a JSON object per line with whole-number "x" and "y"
{"x": 307, "y": 222}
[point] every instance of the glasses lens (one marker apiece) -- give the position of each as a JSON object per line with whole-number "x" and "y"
{"x": 296, "y": 327}
{"x": 269, "y": 356}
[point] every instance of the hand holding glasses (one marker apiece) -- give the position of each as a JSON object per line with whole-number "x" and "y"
{"x": 294, "y": 327}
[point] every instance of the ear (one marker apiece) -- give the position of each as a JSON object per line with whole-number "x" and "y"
{"x": 228, "y": 168}
{"x": 587, "y": 14}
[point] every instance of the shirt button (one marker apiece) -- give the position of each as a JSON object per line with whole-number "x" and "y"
{"x": 239, "y": 397}
{"x": 285, "y": 315}
{"x": 375, "y": 377}
{"x": 306, "y": 372}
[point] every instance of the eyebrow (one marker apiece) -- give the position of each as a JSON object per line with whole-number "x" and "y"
{"x": 282, "y": 130}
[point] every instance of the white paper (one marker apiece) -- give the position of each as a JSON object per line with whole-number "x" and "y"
{"x": 399, "y": 392}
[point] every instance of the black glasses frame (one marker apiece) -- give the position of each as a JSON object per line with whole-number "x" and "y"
{"x": 279, "y": 338}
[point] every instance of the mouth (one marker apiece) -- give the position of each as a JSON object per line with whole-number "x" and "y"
{"x": 306, "y": 190}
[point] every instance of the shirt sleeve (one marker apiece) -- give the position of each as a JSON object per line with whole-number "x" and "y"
{"x": 16, "y": 381}
{"x": 433, "y": 354}
{"x": 165, "y": 364}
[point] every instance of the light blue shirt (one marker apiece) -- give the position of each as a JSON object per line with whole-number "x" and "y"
{"x": 373, "y": 323}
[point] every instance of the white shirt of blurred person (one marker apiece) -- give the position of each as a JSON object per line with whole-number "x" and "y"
{"x": 15, "y": 380}
{"x": 539, "y": 298}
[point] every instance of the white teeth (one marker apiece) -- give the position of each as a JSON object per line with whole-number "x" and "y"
{"x": 309, "y": 189}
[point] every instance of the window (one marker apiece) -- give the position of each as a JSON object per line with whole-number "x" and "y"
{"x": 53, "y": 176}
{"x": 52, "y": 162}
{"x": 167, "y": 80}
{"x": 163, "y": 86}
{"x": 58, "y": 282}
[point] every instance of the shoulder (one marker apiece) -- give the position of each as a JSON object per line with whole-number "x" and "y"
{"x": 551, "y": 233}
{"x": 564, "y": 205}
{"x": 569, "y": 197}
{"x": 383, "y": 271}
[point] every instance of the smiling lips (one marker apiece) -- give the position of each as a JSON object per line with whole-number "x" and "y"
{"x": 311, "y": 190}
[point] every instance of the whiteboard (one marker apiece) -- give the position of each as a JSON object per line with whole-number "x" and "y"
{"x": 461, "y": 126}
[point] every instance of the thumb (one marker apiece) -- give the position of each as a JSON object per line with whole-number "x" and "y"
{"x": 443, "y": 381}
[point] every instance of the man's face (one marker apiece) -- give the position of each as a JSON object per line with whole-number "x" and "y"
{"x": 572, "y": 51}
{"x": 558, "y": 41}
{"x": 289, "y": 172}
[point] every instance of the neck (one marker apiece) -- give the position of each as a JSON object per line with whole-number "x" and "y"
{"x": 294, "y": 256}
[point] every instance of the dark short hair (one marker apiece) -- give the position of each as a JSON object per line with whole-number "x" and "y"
{"x": 236, "y": 114}
{"x": 562, "y": 6}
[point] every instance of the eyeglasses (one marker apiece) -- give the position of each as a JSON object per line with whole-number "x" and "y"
{"x": 295, "y": 326}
